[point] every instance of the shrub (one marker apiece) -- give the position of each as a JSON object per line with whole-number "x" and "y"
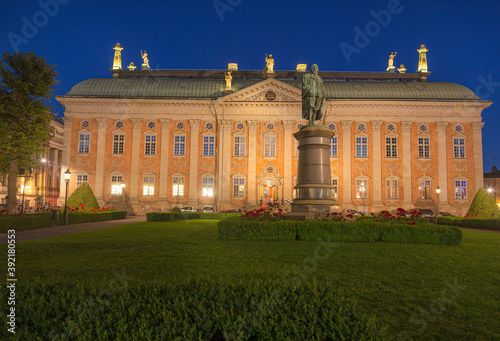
{"x": 83, "y": 198}
{"x": 419, "y": 234}
{"x": 263, "y": 214}
{"x": 167, "y": 216}
{"x": 336, "y": 231}
{"x": 481, "y": 224}
{"x": 190, "y": 310}
{"x": 483, "y": 206}
{"x": 175, "y": 209}
{"x": 234, "y": 228}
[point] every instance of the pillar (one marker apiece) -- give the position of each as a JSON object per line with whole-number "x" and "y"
{"x": 377, "y": 164}
{"x": 406, "y": 125}
{"x": 165, "y": 140}
{"x": 252, "y": 161}
{"x": 134, "y": 166}
{"x": 193, "y": 163}
{"x": 288, "y": 157}
{"x": 225, "y": 163}
{"x": 442, "y": 162}
{"x": 68, "y": 127}
{"x": 346, "y": 162}
{"x": 478, "y": 155}
{"x": 99, "y": 166}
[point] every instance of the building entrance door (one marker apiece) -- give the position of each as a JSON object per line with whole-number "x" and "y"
{"x": 270, "y": 192}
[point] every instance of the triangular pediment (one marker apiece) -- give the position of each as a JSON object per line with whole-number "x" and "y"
{"x": 269, "y": 90}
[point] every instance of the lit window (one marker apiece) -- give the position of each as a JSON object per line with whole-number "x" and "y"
{"x": 392, "y": 189}
{"x": 178, "y": 188}
{"x": 391, "y": 147}
{"x": 207, "y": 189}
{"x": 362, "y": 189}
{"x": 150, "y": 146}
{"x": 459, "y": 148}
{"x": 116, "y": 184}
{"x": 270, "y": 146}
{"x": 118, "y": 142}
{"x": 81, "y": 178}
{"x": 148, "y": 185}
{"x": 84, "y": 144}
{"x": 208, "y": 145}
{"x": 239, "y": 146}
{"x": 335, "y": 184}
{"x": 180, "y": 145}
{"x": 460, "y": 190}
{"x": 239, "y": 188}
{"x": 333, "y": 147}
{"x": 361, "y": 146}
{"x": 423, "y": 147}
{"x": 424, "y": 189}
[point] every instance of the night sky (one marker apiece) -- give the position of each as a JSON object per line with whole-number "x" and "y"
{"x": 78, "y": 36}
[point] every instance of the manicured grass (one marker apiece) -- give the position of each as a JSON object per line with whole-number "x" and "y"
{"x": 425, "y": 291}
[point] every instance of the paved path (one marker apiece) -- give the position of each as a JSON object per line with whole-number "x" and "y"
{"x": 69, "y": 229}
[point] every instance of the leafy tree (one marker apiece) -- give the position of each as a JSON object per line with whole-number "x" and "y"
{"x": 26, "y": 83}
{"x": 83, "y": 195}
{"x": 483, "y": 205}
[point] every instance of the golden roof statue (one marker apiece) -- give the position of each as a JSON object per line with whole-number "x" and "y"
{"x": 117, "y": 62}
{"x": 422, "y": 59}
{"x": 228, "y": 80}
{"x": 132, "y": 67}
{"x": 145, "y": 59}
{"x": 270, "y": 63}
{"x": 391, "y": 59}
{"x": 402, "y": 69}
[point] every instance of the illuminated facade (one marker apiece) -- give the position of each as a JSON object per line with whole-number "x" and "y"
{"x": 178, "y": 137}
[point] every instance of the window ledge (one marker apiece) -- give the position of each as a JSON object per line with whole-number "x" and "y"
{"x": 270, "y": 157}
{"x": 461, "y": 201}
{"x": 149, "y": 155}
{"x": 334, "y": 158}
{"x": 362, "y": 158}
{"x": 240, "y": 157}
{"x": 425, "y": 200}
{"x": 393, "y": 199}
{"x": 118, "y": 154}
{"x": 392, "y": 158}
{"x": 424, "y": 159}
{"x": 204, "y": 156}
{"x": 362, "y": 199}
{"x": 179, "y": 156}
{"x": 461, "y": 159}
{"x": 83, "y": 154}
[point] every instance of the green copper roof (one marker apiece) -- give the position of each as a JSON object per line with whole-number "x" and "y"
{"x": 208, "y": 88}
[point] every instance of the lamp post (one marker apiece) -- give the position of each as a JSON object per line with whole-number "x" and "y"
{"x": 123, "y": 197}
{"x": 438, "y": 190}
{"x": 46, "y": 185}
{"x": 67, "y": 176}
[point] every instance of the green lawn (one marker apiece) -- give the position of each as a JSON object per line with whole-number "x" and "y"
{"x": 422, "y": 292}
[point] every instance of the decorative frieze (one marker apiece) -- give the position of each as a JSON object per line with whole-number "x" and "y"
{"x": 391, "y": 168}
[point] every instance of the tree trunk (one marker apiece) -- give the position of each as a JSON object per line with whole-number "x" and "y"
{"x": 12, "y": 189}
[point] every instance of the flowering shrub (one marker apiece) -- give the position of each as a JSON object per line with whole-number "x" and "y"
{"x": 82, "y": 209}
{"x": 263, "y": 214}
{"x": 334, "y": 216}
{"x": 401, "y": 217}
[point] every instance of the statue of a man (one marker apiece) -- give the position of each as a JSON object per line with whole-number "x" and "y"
{"x": 145, "y": 58}
{"x": 313, "y": 94}
{"x": 270, "y": 63}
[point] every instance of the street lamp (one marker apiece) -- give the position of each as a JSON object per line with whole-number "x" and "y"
{"x": 438, "y": 190}
{"x": 47, "y": 161}
{"x": 67, "y": 176}
{"x": 123, "y": 197}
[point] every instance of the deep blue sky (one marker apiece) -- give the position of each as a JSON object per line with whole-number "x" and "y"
{"x": 462, "y": 38}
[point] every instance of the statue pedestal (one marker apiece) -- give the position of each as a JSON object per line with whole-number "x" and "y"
{"x": 391, "y": 69}
{"x": 314, "y": 191}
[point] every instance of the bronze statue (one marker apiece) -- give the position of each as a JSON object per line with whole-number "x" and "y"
{"x": 313, "y": 95}
{"x": 270, "y": 63}
{"x": 228, "y": 80}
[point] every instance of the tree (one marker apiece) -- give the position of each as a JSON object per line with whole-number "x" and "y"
{"x": 26, "y": 83}
{"x": 83, "y": 195}
{"x": 483, "y": 205}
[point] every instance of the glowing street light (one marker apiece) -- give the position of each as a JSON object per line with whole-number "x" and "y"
{"x": 67, "y": 176}
{"x": 438, "y": 191}
{"x": 122, "y": 185}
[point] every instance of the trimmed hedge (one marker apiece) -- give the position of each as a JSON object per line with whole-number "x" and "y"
{"x": 188, "y": 310}
{"x": 396, "y": 220}
{"x": 483, "y": 206}
{"x": 473, "y": 223}
{"x": 234, "y": 228}
{"x": 83, "y": 195}
{"x": 40, "y": 220}
{"x": 167, "y": 216}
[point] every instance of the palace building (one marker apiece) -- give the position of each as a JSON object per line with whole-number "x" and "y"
{"x": 225, "y": 137}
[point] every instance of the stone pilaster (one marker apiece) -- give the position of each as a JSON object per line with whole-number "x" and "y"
{"x": 252, "y": 161}
{"x": 134, "y": 166}
{"x": 225, "y": 163}
{"x": 99, "y": 164}
{"x": 165, "y": 139}
{"x": 346, "y": 163}
{"x": 193, "y": 162}
{"x": 288, "y": 145}
{"x": 406, "y": 125}
{"x": 68, "y": 127}
{"x": 442, "y": 162}
{"x": 377, "y": 164}
{"x": 478, "y": 155}
{"x": 55, "y": 165}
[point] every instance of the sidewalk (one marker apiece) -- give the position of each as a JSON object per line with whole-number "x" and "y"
{"x": 69, "y": 229}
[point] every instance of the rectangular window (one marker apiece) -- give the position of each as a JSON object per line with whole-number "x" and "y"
{"x": 180, "y": 145}
{"x": 208, "y": 145}
{"x": 423, "y": 147}
{"x": 424, "y": 189}
{"x": 459, "y": 148}
{"x": 84, "y": 144}
{"x": 392, "y": 189}
{"x": 362, "y": 189}
{"x": 116, "y": 184}
{"x": 460, "y": 190}
{"x": 239, "y": 188}
{"x": 81, "y": 178}
{"x": 207, "y": 188}
{"x": 118, "y": 142}
{"x": 333, "y": 147}
{"x": 178, "y": 188}
{"x": 150, "y": 147}
{"x": 391, "y": 147}
{"x": 361, "y": 147}
{"x": 239, "y": 146}
{"x": 270, "y": 146}
{"x": 148, "y": 185}
{"x": 335, "y": 184}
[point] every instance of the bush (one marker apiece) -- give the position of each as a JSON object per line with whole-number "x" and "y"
{"x": 483, "y": 206}
{"x": 175, "y": 209}
{"x": 481, "y": 224}
{"x": 167, "y": 216}
{"x": 336, "y": 231}
{"x": 189, "y": 310}
{"x": 420, "y": 234}
{"x": 83, "y": 198}
{"x": 234, "y": 228}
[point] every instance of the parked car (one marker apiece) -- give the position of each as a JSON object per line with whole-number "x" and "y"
{"x": 427, "y": 213}
{"x": 208, "y": 209}
{"x": 188, "y": 209}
